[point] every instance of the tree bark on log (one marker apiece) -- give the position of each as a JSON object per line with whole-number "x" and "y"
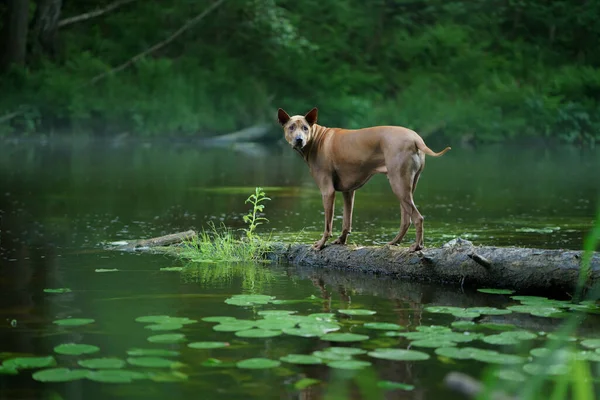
{"x": 458, "y": 262}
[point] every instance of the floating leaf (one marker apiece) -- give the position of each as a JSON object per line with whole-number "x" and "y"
{"x": 207, "y": 345}
{"x": 509, "y": 337}
{"x": 152, "y": 353}
{"x": 172, "y": 269}
{"x": 249, "y": 299}
{"x": 301, "y": 359}
{"x": 115, "y": 376}
{"x": 106, "y": 270}
{"x": 234, "y": 326}
{"x": 29, "y": 362}
{"x": 350, "y": 351}
{"x": 386, "y": 326}
{"x": 509, "y": 375}
{"x": 59, "y": 290}
{"x": 493, "y": 357}
{"x": 537, "y": 310}
{"x": 465, "y": 314}
{"x": 496, "y": 291}
{"x": 540, "y": 352}
{"x": 322, "y": 316}
{"x": 593, "y": 356}
{"x": 546, "y": 369}
{"x": 164, "y": 327}
{"x": 399, "y": 355}
{"x": 60, "y": 375}
{"x": 389, "y": 385}
{"x": 303, "y": 383}
{"x": 443, "y": 309}
{"x": 169, "y": 376}
{"x": 102, "y": 363}
{"x": 275, "y": 324}
{"x": 304, "y": 332}
{"x": 219, "y": 319}
{"x": 561, "y": 337}
{"x": 344, "y": 337}
{"x": 258, "y": 333}
{"x": 4, "y": 370}
{"x": 75, "y": 349}
{"x": 591, "y": 343}
{"x": 266, "y": 313}
{"x": 153, "y": 362}
{"x": 331, "y": 356}
{"x": 433, "y": 329}
{"x": 167, "y": 338}
{"x": 432, "y": 343}
{"x": 455, "y": 352}
{"x": 258, "y": 363}
{"x": 488, "y": 310}
{"x": 357, "y": 311}
{"x": 325, "y": 327}
{"x": 349, "y": 364}
{"x": 73, "y": 321}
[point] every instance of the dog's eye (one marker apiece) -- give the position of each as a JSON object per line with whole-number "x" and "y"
{"x": 305, "y": 128}
{"x": 292, "y": 127}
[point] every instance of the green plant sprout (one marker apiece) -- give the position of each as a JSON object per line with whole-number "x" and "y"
{"x": 252, "y": 218}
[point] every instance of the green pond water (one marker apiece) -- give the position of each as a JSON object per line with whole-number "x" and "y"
{"x": 60, "y": 201}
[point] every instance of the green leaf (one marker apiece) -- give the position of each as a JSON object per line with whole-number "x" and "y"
{"x": 398, "y": 355}
{"x": 507, "y": 338}
{"x": 106, "y": 270}
{"x": 389, "y": 385}
{"x": 60, "y": 375}
{"x": 246, "y": 300}
{"x": 164, "y": 319}
{"x": 208, "y": 345}
{"x": 258, "y": 363}
{"x": 102, "y": 363}
{"x": 493, "y": 357}
{"x": 350, "y": 351}
{"x": 164, "y": 327}
{"x": 258, "y": 333}
{"x": 344, "y": 337}
{"x": 172, "y": 269}
{"x": 152, "y": 352}
{"x": 73, "y": 321}
{"x": 303, "y": 383}
{"x": 349, "y": 364}
{"x": 116, "y": 376}
{"x": 443, "y": 309}
{"x": 266, "y": 313}
{"x": 386, "y": 326}
{"x": 331, "y": 356}
{"x": 301, "y": 359}
{"x": 455, "y": 352}
{"x": 29, "y": 362}
{"x": 219, "y": 319}
{"x": 60, "y": 290}
{"x": 591, "y": 343}
{"x": 509, "y": 375}
{"x": 275, "y": 324}
{"x": 357, "y": 311}
{"x": 432, "y": 343}
{"x": 167, "y": 338}
{"x": 234, "y": 326}
{"x": 488, "y": 310}
{"x": 496, "y": 291}
{"x": 75, "y": 349}
{"x": 5, "y": 370}
{"x": 153, "y": 362}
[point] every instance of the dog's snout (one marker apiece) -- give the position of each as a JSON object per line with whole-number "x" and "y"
{"x": 298, "y": 141}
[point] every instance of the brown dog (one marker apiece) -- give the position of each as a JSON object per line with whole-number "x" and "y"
{"x": 344, "y": 160}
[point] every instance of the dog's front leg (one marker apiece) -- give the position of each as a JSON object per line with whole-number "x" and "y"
{"x": 328, "y": 195}
{"x": 347, "y": 224}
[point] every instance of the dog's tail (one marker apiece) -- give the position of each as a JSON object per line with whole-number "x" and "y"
{"x": 423, "y": 147}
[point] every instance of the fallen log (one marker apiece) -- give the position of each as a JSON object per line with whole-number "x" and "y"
{"x": 458, "y": 262}
{"x": 157, "y": 242}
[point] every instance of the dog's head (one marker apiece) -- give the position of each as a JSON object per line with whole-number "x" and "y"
{"x": 297, "y": 129}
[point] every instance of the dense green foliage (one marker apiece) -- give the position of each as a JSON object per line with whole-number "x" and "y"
{"x": 483, "y": 69}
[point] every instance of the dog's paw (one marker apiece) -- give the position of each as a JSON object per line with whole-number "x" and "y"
{"x": 415, "y": 247}
{"x": 318, "y": 245}
{"x": 339, "y": 241}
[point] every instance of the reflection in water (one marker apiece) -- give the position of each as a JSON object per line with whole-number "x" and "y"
{"x": 60, "y": 201}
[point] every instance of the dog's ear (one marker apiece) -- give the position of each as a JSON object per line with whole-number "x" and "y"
{"x": 282, "y": 117}
{"x": 311, "y": 116}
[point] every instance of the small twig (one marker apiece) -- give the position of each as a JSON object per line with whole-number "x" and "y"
{"x": 481, "y": 260}
{"x": 159, "y": 45}
{"x": 93, "y": 14}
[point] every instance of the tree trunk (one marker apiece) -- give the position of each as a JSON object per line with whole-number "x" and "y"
{"x": 45, "y": 27}
{"x": 13, "y": 37}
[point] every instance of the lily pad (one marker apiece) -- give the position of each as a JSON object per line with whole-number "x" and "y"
{"x": 258, "y": 333}
{"x": 29, "y": 362}
{"x": 102, "y": 363}
{"x": 432, "y": 343}
{"x": 385, "y": 326}
{"x": 433, "y": 329}
{"x": 322, "y": 316}
{"x": 325, "y": 327}
{"x": 76, "y": 349}
{"x": 153, "y": 362}
{"x": 591, "y": 343}
{"x": 303, "y": 383}
{"x": 465, "y": 314}
{"x": 246, "y": 300}
{"x": 152, "y": 353}
{"x": 275, "y": 324}
{"x": 73, "y": 321}
{"x": 304, "y": 332}
{"x": 537, "y": 310}
{"x": 344, "y": 337}
{"x": 357, "y": 311}
{"x": 301, "y": 359}
{"x": 443, "y": 309}
{"x": 59, "y": 290}
{"x": 535, "y": 368}
{"x": 219, "y": 319}
{"x": 234, "y": 326}
{"x": 8, "y": 370}
{"x": 350, "y": 351}
{"x": 390, "y": 385}
{"x": 509, "y": 375}
{"x": 115, "y": 376}
{"x": 265, "y": 313}
{"x": 509, "y": 337}
{"x": 331, "y": 356}
{"x": 496, "y": 291}
{"x": 455, "y": 352}
{"x": 540, "y": 352}
{"x": 60, "y": 375}
{"x": 561, "y": 338}
{"x": 208, "y": 345}
{"x": 349, "y": 364}
{"x": 488, "y": 310}
{"x": 258, "y": 363}
{"x": 164, "y": 327}
{"x": 399, "y": 354}
{"x": 167, "y": 338}
{"x": 167, "y": 376}
{"x": 494, "y": 357}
